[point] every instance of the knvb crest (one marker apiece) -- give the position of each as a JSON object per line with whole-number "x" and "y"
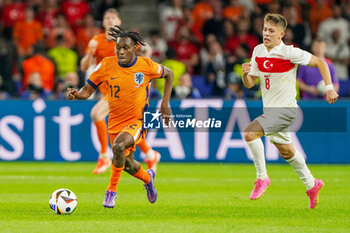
{"x": 139, "y": 78}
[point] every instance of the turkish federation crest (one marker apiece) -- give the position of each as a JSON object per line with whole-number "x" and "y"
{"x": 139, "y": 78}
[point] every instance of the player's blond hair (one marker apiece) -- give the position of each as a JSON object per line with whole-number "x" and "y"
{"x": 277, "y": 19}
{"x": 111, "y": 10}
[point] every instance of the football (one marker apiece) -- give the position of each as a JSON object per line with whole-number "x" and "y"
{"x": 321, "y": 87}
{"x": 63, "y": 201}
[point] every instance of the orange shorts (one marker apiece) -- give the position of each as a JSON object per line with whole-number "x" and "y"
{"x": 136, "y": 131}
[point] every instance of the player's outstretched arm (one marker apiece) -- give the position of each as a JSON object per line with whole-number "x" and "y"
{"x": 168, "y": 86}
{"x": 84, "y": 93}
{"x": 322, "y": 66}
{"x": 248, "y": 80}
{"x": 88, "y": 59}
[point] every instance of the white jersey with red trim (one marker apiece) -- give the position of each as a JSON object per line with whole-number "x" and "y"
{"x": 277, "y": 70}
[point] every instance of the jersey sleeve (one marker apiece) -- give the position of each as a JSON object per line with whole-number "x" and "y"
{"x": 254, "y": 70}
{"x": 299, "y": 56}
{"x": 98, "y": 76}
{"x": 156, "y": 69}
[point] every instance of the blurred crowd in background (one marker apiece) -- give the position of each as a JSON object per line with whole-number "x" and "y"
{"x": 203, "y": 42}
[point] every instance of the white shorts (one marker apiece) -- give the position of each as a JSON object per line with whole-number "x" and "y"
{"x": 276, "y": 124}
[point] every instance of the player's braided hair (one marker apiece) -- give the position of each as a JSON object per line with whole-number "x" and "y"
{"x": 117, "y": 31}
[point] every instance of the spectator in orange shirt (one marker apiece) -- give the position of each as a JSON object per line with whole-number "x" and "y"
{"x": 61, "y": 28}
{"x": 233, "y": 11}
{"x": 85, "y": 33}
{"x": 201, "y": 12}
{"x": 26, "y": 33}
{"x": 319, "y": 12}
{"x": 42, "y": 65}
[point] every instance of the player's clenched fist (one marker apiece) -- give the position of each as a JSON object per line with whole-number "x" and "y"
{"x": 246, "y": 68}
{"x": 93, "y": 45}
{"x": 332, "y": 96}
{"x": 72, "y": 93}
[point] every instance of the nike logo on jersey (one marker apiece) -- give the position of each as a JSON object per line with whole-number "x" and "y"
{"x": 266, "y": 76}
{"x": 112, "y": 78}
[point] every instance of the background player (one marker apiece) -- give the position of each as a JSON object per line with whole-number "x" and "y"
{"x": 99, "y": 47}
{"x": 127, "y": 77}
{"x": 275, "y": 63}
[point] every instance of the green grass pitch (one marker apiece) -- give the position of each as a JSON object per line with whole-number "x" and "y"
{"x": 191, "y": 198}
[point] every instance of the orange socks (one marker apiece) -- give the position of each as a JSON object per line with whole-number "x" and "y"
{"x": 115, "y": 177}
{"x": 143, "y": 175}
{"x": 143, "y": 146}
{"x": 101, "y": 128}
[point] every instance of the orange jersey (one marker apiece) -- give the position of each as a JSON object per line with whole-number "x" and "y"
{"x": 105, "y": 48}
{"x": 128, "y": 88}
{"x": 27, "y": 33}
{"x": 41, "y": 65}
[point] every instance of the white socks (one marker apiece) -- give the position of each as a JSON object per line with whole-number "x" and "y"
{"x": 297, "y": 162}
{"x": 150, "y": 154}
{"x": 257, "y": 149}
{"x": 104, "y": 156}
{"x": 299, "y": 165}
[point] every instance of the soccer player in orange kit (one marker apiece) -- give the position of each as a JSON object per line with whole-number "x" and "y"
{"x": 127, "y": 77}
{"x": 101, "y": 46}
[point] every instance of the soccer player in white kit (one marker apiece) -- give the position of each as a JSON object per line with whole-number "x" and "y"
{"x": 276, "y": 65}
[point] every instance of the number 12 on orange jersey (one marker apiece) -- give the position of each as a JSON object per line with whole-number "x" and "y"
{"x": 114, "y": 90}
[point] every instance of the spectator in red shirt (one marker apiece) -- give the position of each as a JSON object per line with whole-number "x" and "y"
{"x": 75, "y": 10}
{"x": 242, "y": 36}
{"x": 11, "y": 12}
{"x": 187, "y": 51}
{"x": 47, "y": 14}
